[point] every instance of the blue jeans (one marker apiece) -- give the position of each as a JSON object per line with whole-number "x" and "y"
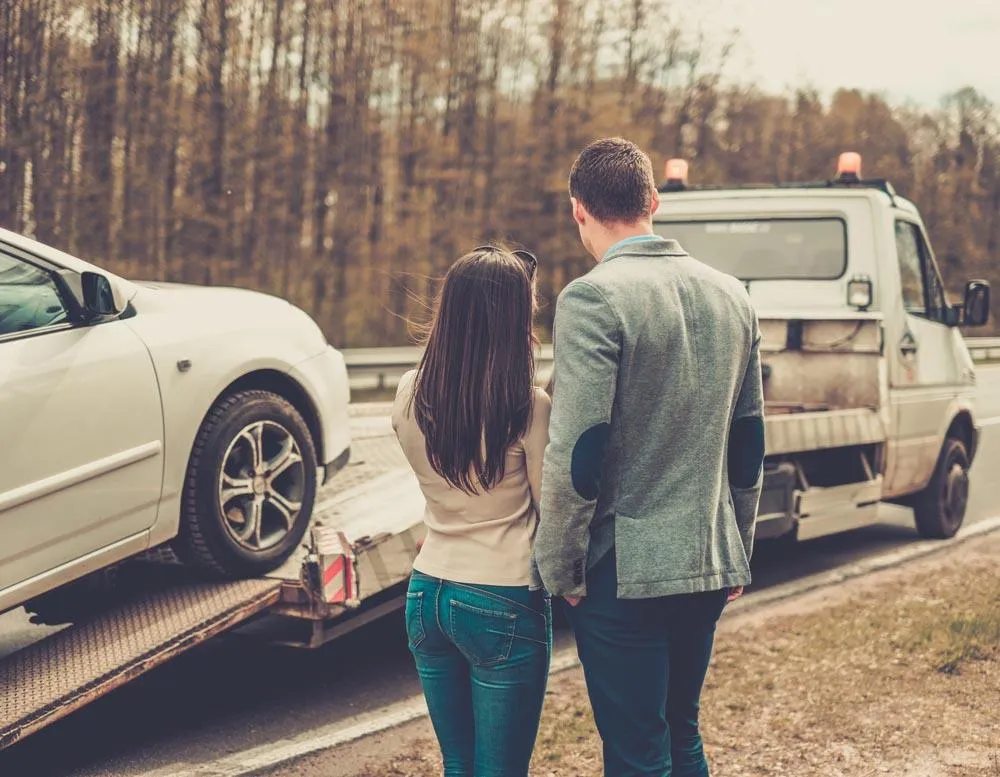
{"x": 645, "y": 662}
{"x": 482, "y": 653}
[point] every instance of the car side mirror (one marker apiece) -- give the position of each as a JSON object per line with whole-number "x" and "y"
{"x": 91, "y": 296}
{"x": 976, "y": 307}
{"x": 98, "y": 295}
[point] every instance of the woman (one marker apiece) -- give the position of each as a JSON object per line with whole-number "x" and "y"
{"x": 474, "y": 427}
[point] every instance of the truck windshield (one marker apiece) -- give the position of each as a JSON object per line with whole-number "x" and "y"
{"x": 765, "y": 249}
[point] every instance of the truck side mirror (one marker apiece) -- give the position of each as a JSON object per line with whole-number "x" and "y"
{"x": 976, "y": 308}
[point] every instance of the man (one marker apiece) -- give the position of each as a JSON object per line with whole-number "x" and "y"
{"x": 652, "y": 474}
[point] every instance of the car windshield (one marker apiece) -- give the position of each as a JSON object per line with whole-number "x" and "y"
{"x": 765, "y": 249}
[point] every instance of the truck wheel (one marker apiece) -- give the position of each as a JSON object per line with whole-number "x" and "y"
{"x": 250, "y": 486}
{"x": 940, "y": 508}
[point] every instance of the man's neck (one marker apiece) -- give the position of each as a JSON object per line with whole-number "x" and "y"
{"x": 611, "y": 235}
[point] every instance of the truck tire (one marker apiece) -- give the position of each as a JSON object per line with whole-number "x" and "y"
{"x": 940, "y": 508}
{"x": 250, "y": 486}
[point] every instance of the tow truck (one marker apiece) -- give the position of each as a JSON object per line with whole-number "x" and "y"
{"x": 868, "y": 383}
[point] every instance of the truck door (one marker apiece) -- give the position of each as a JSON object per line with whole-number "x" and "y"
{"x": 923, "y": 370}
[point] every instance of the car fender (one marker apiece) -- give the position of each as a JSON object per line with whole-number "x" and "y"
{"x": 196, "y": 358}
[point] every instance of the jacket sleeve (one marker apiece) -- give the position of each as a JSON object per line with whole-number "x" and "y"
{"x": 587, "y": 353}
{"x": 746, "y": 446}
{"x": 535, "y": 442}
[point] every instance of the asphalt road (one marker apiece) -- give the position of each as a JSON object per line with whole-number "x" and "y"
{"x": 233, "y": 694}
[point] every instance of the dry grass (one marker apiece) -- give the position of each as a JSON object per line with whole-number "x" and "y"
{"x": 901, "y": 680}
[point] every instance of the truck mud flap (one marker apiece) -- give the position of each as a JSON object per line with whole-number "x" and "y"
{"x": 57, "y": 675}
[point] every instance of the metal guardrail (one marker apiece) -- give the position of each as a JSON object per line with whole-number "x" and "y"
{"x": 381, "y": 368}
{"x": 984, "y": 348}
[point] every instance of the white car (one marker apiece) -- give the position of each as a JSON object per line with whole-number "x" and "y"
{"x": 138, "y": 415}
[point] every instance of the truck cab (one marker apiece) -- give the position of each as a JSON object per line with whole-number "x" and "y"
{"x": 868, "y": 383}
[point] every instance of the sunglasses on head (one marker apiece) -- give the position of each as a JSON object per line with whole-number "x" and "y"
{"x": 525, "y": 256}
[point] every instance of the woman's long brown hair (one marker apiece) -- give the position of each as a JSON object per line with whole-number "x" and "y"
{"x": 474, "y": 386}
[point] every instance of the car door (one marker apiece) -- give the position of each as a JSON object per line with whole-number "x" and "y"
{"x": 923, "y": 372}
{"x": 81, "y": 429}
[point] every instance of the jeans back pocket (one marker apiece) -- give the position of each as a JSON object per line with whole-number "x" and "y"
{"x": 415, "y": 632}
{"x": 483, "y": 635}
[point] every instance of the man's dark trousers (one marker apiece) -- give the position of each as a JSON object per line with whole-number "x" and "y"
{"x": 645, "y": 662}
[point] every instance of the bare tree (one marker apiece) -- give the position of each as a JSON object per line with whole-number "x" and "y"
{"x": 343, "y": 152}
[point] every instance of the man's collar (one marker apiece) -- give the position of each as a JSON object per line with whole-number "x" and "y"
{"x": 644, "y": 245}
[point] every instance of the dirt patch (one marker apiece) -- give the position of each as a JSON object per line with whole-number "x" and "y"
{"x": 897, "y": 673}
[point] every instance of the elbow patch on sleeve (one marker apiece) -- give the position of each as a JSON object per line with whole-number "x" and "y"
{"x": 746, "y": 451}
{"x": 588, "y": 460}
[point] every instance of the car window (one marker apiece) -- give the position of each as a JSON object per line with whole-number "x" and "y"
{"x": 911, "y": 268}
{"x": 29, "y": 298}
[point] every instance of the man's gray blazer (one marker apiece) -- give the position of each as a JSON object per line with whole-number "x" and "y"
{"x": 656, "y": 437}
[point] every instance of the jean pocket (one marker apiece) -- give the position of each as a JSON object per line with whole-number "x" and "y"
{"x": 415, "y": 632}
{"x": 483, "y": 635}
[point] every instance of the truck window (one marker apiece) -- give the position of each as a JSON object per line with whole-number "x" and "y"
{"x": 923, "y": 292}
{"x": 765, "y": 249}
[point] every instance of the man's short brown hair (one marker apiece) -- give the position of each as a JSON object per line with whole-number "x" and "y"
{"x": 613, "y": 179}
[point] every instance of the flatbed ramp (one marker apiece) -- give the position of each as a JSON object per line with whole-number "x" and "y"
{"x": 363, "y": 541}
{"x": 69, "y": 669}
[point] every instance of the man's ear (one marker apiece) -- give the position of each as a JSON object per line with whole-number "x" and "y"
{"x": 579, "y": 212}
{"x": 655, "y": 204}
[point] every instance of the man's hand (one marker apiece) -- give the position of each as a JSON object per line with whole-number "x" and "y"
{"x": 573, "y": 600}
{"x": 734, "y": 593}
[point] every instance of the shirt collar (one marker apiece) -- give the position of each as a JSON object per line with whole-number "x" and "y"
{"x": 628, "y": 241}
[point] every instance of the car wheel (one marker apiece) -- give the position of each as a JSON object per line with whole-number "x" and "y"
{"x": 250, "y": 486}
{"x": 940, "y": 508}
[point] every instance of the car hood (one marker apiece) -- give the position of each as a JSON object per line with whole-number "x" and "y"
{"x": 207, "y": 298}
{"x": 193, "y": 288}
{"x": 186, "y": 310}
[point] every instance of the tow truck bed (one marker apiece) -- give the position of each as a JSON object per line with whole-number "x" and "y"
{"x": 71, "y": 668}
{"x": 362, "y": 543}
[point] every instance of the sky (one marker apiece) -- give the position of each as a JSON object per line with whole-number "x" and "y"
{"x": 916, "y": 50}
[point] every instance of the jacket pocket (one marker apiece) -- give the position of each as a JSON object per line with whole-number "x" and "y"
{"x": 652, "y": 550}
{"x": 483, "y": 635}
{"x": 415, "y": 632}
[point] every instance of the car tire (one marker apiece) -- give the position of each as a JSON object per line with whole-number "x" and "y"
{"x": 939, "y": 509}
{"x": 250, "y": 486}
